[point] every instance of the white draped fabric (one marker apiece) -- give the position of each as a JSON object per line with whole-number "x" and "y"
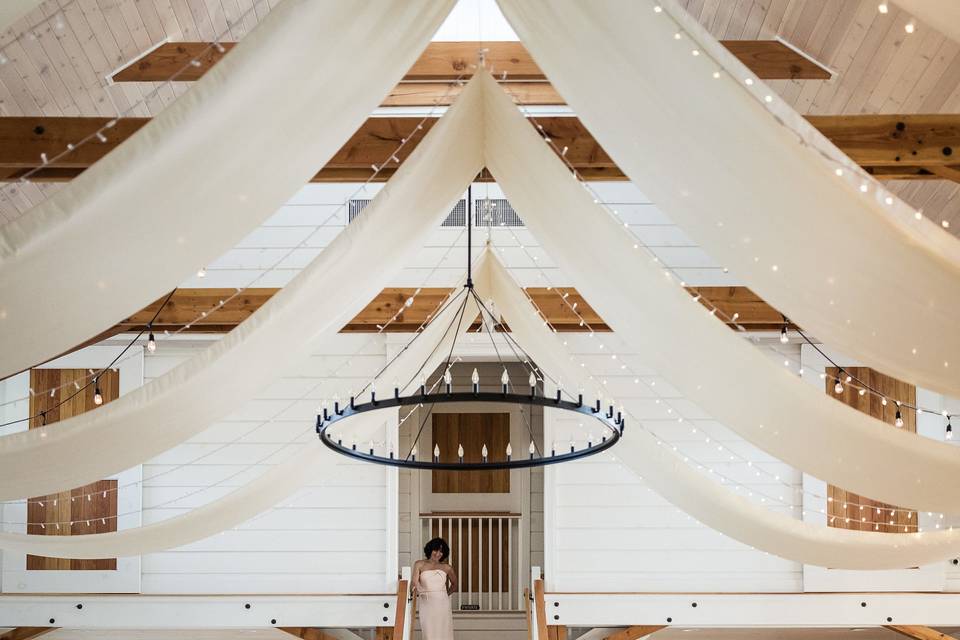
{"x": 204, "y": 173}
{"x": 314, "y": 463}
{"x": 13, "y": 10}
{"x": 753, "y": 183}
{"x": 942, "y": 15}
{"x": 694, "y": 492}
{"x": 295, "y": 322}
{"x": 710, "y": 364}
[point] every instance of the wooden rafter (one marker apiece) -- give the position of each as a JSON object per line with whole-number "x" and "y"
{"x": 187, "y": 305}
{"x": 919, "y": 633}
{"x": 25, "y": 633}
{"x": 445, "y": 61}
{"x": 632, "y": 633}
{"x": 925, "y": 147}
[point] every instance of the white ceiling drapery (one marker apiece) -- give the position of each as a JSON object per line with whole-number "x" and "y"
{"x": 297, "y": 320}
{"x": 205, "y": 172}
{"x": 710, "y": 364}
{"x": 313, "y": 463}
{"x": 749, "y": 181}
{"x": 697, "y": 494}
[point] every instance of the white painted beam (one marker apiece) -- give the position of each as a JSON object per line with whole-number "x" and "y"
{"x": 753, "y": 610}
{"x": 197, "y": 611}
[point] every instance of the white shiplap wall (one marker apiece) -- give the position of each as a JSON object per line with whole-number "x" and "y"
{"x": 607, "y": 531}
{"x": 331, "y": 537}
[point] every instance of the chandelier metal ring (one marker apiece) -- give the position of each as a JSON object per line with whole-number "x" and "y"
{"x": 612, "y": 422}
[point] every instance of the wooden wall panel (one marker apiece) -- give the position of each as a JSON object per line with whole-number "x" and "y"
{"x": 91, "y": 508}
{"x": 472, "y": 430}
{"x": 845, "y": 509}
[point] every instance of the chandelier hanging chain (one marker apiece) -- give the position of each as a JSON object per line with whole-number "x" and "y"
{"x": 613, "y": 422}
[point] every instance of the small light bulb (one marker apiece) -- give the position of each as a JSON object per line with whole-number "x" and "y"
{"x": 533, "y": 448}
{"x": 883, "y": 401}
{"x": 483, "y": 451}
{"x": 97, "y": 396}
{"x": 784, "y": 338}
{"x": 413, "y": 452}
{"x": 837, "y": 387}
{"x": 201, "y": 272}
{"x": 505, "y": 377}
{"x": 509, "y": 450}
{"x": 447, "y": 377}
{"x": 151, "y": 343}
{"x": 459, "y": 450}
{"x": 532, "y": 380}
{"x": 475, "y": 376}
{"x": 883, "y": 8}
{"x": 899, "y": 419}
{"x": 949, "y": 431}
{"x": 910, "y": 27}
{"x": 423, "y": 381}
{"x": 436, "y": 451}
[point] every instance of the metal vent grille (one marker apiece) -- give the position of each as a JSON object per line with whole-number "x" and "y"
{"x": 495, "y": 212}
{"x": 456, "y": 218}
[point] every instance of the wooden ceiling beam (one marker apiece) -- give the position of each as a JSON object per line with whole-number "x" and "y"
{"x": 876, "y": 142}
{"x": 187, "y": 305}
{"x": 25, "y": 633}
{"x": 917, "y": 632}
{"x": 446, "y": 61}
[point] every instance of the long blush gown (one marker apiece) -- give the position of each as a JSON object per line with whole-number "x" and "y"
{"x": 436, "y": 617}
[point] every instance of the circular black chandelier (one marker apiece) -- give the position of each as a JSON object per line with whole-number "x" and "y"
{"x": 441, "y": 392}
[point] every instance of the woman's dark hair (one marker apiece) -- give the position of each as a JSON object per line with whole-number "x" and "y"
{"x": 437, "y": 544}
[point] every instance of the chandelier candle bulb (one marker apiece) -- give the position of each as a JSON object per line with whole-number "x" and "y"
{"x": 949, "y": 435}
{"x": 460, "y": 452}
{"x": 373, "y": 392}
{"x": 509, "y": 452}
{"x": 448, "y": 379}
{"x": 504, "y": 381}
{"x": 572, "y": 446}
{"x": 532, "y": 381}
{"x": 371, "y": 447}
{"x": 413, "y": 453}
{"x": 423, "y": 384}
{"x": 483, "y": 452}
{"x": 436, "y": 453}
{"x": 533, "y": 449}
{"x": 475, "y": 379}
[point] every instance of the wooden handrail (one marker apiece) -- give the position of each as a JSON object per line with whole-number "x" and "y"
{"x": 540, "y": 609}
{"x": 526, "y": 603}
{"x": 399, "y": 620}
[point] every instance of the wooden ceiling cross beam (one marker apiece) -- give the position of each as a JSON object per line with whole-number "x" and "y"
{"x": 446, "y": 61}
{"x": 917, "y": 632}
{"x": 914, "y": 147}
{"x": 925, "y": 147}
{"x": 25, "y": 633}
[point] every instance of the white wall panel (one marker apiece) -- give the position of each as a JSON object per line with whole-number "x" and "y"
{"x": 332, "y": 536}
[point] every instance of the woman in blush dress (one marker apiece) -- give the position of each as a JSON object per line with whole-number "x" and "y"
{"x": 434, "y": 580}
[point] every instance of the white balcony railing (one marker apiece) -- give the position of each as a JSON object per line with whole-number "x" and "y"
{"x": 489, "y": 552}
